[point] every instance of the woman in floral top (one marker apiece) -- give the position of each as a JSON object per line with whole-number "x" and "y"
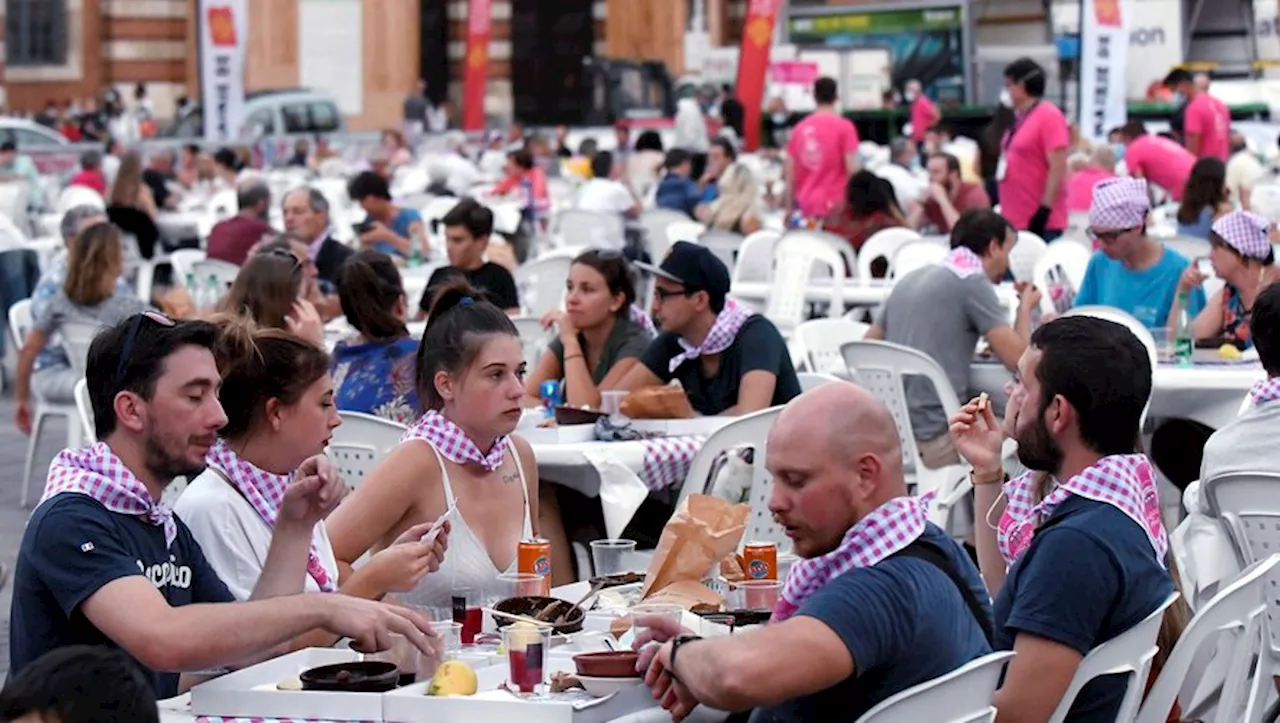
{"x": 375, "y": 372}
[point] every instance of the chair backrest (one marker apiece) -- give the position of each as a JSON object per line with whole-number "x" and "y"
{"x": 961, "y": 696}
{"x": 813, "y": 380}
{"x": 724, "y": 244}
{"x": 1071, "y": 257}
{"x": 224, "y": 272}
{"x": 684, "y": 230}
{"x": 655, "y": 222}
{"x": 20, "y": 322}
{"x": 76, "y": 338}
{"x": 73, "y": 196}
{"x": 533, "y": 338}
{"x": 795, "y": 258}
{"x": 540, "y": 283}
{"x": 1238, "y": 612}
{"x": 84, "y": 407}
{"x": 184, "y": 263}
{"x": 1248, "y": 503}
{"x": 1111, "y": 313}
{"x": 588, "y": 229}
{"x": 915, "y": 255}
{"x": 1129, "y": 653}
{"x": 360, "y": 442}
{"x": 751, "y": 429}
{"x": 1025, "y": 253}
{"x": 755, "y": 257}
{"x": 817, "y": 343}
{"x": 884, "y": 243}
{"x": 839, "y": 243}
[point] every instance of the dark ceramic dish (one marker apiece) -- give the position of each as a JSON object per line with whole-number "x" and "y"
{"x": 532, "y": 606}
{"x": 354, "y": 677}
{"x": 566, "y": 416}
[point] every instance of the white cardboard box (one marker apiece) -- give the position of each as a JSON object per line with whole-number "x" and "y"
{"x": 681, "y": 427}
{"x": 567, "y": 434}
{"x": 241, "y": 694}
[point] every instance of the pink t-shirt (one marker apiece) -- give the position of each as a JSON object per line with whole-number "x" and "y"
{"x": 818, "y": 147}
{"x": 1080, "y": 187}
{"x": 1209, "y": 118}
{"x": 1027, "y": 146}
{"x": 1160, "y": 161}
{"x": 922, "y": 114}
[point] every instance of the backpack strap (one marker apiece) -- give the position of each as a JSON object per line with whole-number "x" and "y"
{"x": 933, "y": 555}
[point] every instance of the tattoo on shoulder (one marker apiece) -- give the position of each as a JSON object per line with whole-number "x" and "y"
{"x": 509, "y": 478}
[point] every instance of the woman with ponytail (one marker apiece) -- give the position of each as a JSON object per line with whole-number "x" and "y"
{"x": 375, "y": 372}
{"x": 278, "y": 399}
{"x": 461, "y": 453}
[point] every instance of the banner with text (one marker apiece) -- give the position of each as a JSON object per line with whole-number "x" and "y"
{"x": 475, "y": 75}
{"x": 1104, "y": 44}
{"x": 753, "y": 64}
{"x": 224, "y": 33}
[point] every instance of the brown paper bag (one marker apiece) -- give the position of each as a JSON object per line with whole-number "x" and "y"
{"x": 701, "y": 533}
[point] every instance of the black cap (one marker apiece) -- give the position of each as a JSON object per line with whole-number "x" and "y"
{"x": 696, "y": 268}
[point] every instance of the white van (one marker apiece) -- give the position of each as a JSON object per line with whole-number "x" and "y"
{"x": 299, "y": 111}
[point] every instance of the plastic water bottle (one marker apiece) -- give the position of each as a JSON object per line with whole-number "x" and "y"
{"x": 415, "y": 249}
{"x": 1183, "y": 344}
{"x": 213, "y": 292}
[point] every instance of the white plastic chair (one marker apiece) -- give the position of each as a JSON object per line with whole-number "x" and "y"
{"x": 795, "y": 259}
{"x": 533, "y": 339}
{"x": 961, "y": 696}
{"x": 879, "y": 367}
{"x": 20, "y": 323}
{"x": 813, "y": 380}
{"x": 76, "y": 338}
{"x": 540, "y": 283}
{"x": 1129, "y": 653}
{"x": 1024, "y": 255}
{"x": 1071, "y": 257}
{"x": 685, "y": 230}
{"x": 1238, "y": 611}
{"x": 915, "y": 255}
{"x": 755, "y": 257}
{"x": 360, "y": 442}
{"x": 581, "y": 229}
{"x": 817, "y": 343}
{"x": 184, "y": 263}
{"x": 74, "y": 196}
{"x": 84, "y": 406}
{"x": 223, "y": 272}
{"x": 655, "y": 222}
{"x": 884, "y": 243}
{"x": 724, "y": 244}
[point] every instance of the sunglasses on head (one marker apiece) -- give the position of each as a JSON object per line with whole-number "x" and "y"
{"x": 126, "y": 352}
{"x": 283, "y": 254}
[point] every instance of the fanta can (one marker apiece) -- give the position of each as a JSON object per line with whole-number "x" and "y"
{"x": 535, "y": 557}
{"x": 761, "y": 560}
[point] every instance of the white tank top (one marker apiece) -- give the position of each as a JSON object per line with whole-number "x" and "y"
{"x": 467, "y": 563}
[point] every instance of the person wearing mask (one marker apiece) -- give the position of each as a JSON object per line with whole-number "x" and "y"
{"x": 306, "y": 215}
{"x": 1080, "y": 554}
{"x": 90, "y": 174}
{"x": 738, "y": 207}
{"x": 609, "y": 196}
{"x": 1207, "y": 127}
{"x": 91, "y": 293}
{"x": 720, "y": 155}
{"x": 821, "y": 156}
{"x": 691, "y": 133}
{"x": 677, "y": 191}
{"x": 924, "y": 114}
{"x": 1159, "y": 160}
{"x": 390, "y": 229}
{"x": 1086, "y": 171}
{"x": 467, "y": 227}
{"x": 943, "y": 310}
{"x": 1033, "y": 166}
{"x": 462, "y": 453}
{"x": 269, "y": 290}
{"x": 949, "y": 197}
{"x": 1241, "y": 254}
{"x": 102, "y": 562}
{"x": 373, "y": 372}
{"x": 732, "y": 113}
{"x": 1244, "y": 170}
{"x": 872, "y": 614}
{"x": 902, "y": 172}
{"x": 870, "y": 206}
{"x": 19, "y": 166}
{"x": 231, "y": 239}
{"x": 1204, "y": 199}
{"x": 279, "y": 402}
{"x": 1130, "y": 270}
{"x": 729, "y": 360}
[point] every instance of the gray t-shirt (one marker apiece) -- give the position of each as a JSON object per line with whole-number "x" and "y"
{"x": 62, "y": 310}
{"x": 935, "y": 311}
{"x": 627, "y": 340}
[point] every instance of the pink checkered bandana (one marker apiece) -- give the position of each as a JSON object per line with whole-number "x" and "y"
{"x": 1267, "y": 390}
{"x": 963, "y": 262}
{"x": 1119, "y": 203}
{"x": 639, "y": 317}
{"x": 888, "y": 529}
{"x": 1124, "y": 481}
{"x": 1246, "y": 232}
{"x": 667, "y": 460}
{"x": 450, "y": 441}
{"x": 265, "y": 493}
{"x": 728, "y": 323}
{"x": 97, "y": 472}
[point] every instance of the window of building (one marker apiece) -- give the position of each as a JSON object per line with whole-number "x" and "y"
{"x": 35, "y": 32}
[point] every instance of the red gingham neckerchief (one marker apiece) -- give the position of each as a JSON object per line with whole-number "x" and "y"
{"x": 1267, "y": 390}
{"x": 963, "y": 262}
{"x": 450, "y": 441}
{"x": 97, "y": 472}
{"x": 265, "y": 493}
{"x": 1124, "y": 481}
{"x": 888, "y": 529}
{"x": 728, "y": 323}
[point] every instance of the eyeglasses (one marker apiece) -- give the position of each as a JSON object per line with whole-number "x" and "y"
{"x": 1107, "y": 237}
{"x": 126, "y": 352}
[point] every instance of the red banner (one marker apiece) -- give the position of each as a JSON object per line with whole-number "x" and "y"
{"x": 478, "y": 23}
{"x": 753, "y": 64}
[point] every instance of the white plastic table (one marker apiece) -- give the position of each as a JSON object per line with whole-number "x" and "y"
{"x": 856, "y": 292}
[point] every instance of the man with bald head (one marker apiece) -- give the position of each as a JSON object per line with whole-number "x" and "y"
{"x": 881, "y": 600}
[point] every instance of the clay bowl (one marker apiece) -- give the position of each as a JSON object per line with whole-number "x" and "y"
{"x": 608, "y": 664}
{"x": 530, "y": 605}
{"x": 355, "y": 677}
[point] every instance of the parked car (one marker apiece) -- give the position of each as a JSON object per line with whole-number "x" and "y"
{"x": 273, "y": 113}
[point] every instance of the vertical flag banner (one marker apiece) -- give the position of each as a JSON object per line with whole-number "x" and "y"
{"x": 224, "y": 35}
{"x": 753, "y": 64}
{"x": 1104, "y": 45}
{"x": 478, "y": 23}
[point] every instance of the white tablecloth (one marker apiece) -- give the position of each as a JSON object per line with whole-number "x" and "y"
{"x": 179, "y": 225}
{"x": 856, "y": 292}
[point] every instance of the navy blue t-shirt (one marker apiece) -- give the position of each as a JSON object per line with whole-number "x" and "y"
{"x": 904, "y": 622}
{"x": 72, "y": 547}
{"x": 1087, "y": 577}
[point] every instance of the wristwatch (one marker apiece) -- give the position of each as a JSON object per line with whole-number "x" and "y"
{"x": 675, "y": 648}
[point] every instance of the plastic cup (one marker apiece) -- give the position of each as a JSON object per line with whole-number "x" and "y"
{"x": 612, "y": 557}
{"x": 611, "y": 402}
{"x": 466, "y": 611}
{"x": 650, "y": 611}
{"x": 521, "y": 584}
{"x": 527, "y": 656}
{"x": 759, "y": 595}
{"x": 451, "y": 633}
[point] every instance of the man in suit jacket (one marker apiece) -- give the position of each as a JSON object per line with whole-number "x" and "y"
{"x": 306, "y": 215}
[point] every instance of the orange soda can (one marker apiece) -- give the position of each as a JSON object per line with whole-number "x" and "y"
{"x": 534, "y": 556}
{"x": 761, "y": 560}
